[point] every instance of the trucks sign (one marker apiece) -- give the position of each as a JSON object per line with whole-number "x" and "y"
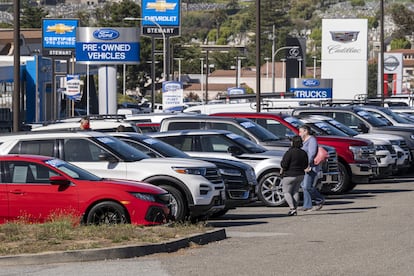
{"x": 311, "y": 88}
{"x": 107, "y": 46}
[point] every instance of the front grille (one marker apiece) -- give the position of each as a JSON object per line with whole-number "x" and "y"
{"x": 331, "y": 165}
{"x": 390, "y": 148}
{"x": 403, "y": 145}
{"x": 213, "y": 176}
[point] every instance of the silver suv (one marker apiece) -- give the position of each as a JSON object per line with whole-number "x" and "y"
{"x": 196, "y": 186}
{"x": 227, "y": 145}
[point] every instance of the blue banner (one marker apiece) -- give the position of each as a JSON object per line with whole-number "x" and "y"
{"x": 164, "y": 12}
{"x": 59, "y": 33}
{"x": 312, "y": 93}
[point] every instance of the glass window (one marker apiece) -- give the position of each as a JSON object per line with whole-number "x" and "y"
{"x": 40, "y": 147}
{"x": 26, "y": 172}
{"x": 81, "y": 150}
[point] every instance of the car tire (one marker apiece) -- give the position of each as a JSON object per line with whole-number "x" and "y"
{"x": 270, "y": 190}
{"x": 178, "y": 206}
{"x": 344, "y": 182}
{"x": 107, "y": 212}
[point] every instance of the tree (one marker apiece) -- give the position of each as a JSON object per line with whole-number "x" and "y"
{"x": 31, "y": 15}
{"x": 372, "y": 80}
{"x": 400, "y": 43}
{"x": 403, "y": 18}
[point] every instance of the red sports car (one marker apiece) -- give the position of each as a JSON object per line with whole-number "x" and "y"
{"x": 34, "y": 188}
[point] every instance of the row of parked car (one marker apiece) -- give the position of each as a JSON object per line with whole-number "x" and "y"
{"x": 212, "y": 163}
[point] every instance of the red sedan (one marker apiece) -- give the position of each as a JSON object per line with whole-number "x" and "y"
{"x": 34, "y": 188}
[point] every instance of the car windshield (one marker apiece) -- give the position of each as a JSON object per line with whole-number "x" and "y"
{"x": 328, "y": 129}
{"x": 125, "y": 151}
{"x": 343, "y": 127}
{"x": 374, "y": 121}
{"x": 246, "y": 143}
{"x": 72, "y": 170}
{"x": 395, "y": 116}
{"x": 258, "y": 131}
{"x": 164, "y": 149}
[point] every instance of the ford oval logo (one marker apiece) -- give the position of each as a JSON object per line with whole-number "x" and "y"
{"x": 311, "y": 82}
{"x": 106, "y": 34}
{"x": 172, "y": 86}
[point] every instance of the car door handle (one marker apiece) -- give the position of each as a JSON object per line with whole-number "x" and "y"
{"x": 17, "y": 192}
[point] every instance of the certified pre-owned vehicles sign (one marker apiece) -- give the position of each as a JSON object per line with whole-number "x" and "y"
{"x": 107, "y": 45}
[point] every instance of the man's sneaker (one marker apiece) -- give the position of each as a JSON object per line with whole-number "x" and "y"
{"x": 306, "y": 209}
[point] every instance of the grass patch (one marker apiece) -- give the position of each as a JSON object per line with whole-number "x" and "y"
{"x": 64, "y": 233}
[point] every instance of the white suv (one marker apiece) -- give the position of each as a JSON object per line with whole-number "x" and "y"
{"x": 196, "y": 186}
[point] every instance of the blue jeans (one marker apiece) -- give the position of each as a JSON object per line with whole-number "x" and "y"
{"x": 309, "y": 190}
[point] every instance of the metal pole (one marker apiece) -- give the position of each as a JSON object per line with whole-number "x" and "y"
{"x": 237, "y": 71}
{"x": 152, "y": 74}
{"x": 314, "y": 67}
{"x": 207, "y": 65}
{"x": 300, "y": 67}
{"x": 273, "y": 59}
{"x": 167, "y": 60}
{"x": 16, "y": 63}
{"x": 123, "y": 78}
{"x": 258, "y": 77}
{"x": 202, "y": 78}
{"x": 382, "y": 52}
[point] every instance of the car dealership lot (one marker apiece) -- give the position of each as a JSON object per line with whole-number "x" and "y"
{"x": 365, "y": 232}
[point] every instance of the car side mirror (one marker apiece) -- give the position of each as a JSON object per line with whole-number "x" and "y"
{"x": 234, "y": 150}
{"x": 363, "y": 128}
{"x": 59, "y": 180}
{"x": 107, "y": 157}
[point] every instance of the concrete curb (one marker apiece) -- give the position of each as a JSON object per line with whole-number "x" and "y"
{"x": 122, "y": 252}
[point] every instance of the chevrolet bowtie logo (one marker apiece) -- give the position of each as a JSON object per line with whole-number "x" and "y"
{"x": 60, "y": 28}
{"x": 160, "y": 5}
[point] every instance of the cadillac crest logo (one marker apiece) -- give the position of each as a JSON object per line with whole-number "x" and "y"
{"x": 344, "y": 37}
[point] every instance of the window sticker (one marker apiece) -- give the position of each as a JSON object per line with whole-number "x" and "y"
{"x": 150, "y": 141}
{"x": 247, "y": 124}
{"x": 105, "y": 140}
{"x": 55, "y": 162}
{"x": 233, "y": 136}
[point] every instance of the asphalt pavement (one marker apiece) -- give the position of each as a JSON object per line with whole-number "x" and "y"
{"x": 368, "y": 231}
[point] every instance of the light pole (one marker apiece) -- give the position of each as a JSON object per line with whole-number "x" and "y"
{"x": 283, "y": 60}
{"x": 179, "y": 68}
{"x": 238, "y": 69}
{"x": 300, "y": 67}
{"x": 202, "y": 77}
{"x": 273, "y": 62}
{"x": 164, "y": 51}
{"x": 314, "y": 67}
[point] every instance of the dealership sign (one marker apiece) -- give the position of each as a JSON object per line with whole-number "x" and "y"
{"x": 311, "y": 88}
{"x": 160, "y": 17}
{"x": 107, "y": 45}
{"x": 59, "y": 36}
{"x": 172, "y": 94}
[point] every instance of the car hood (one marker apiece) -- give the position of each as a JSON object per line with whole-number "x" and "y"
{"x": 348, "y": 140}
{"x": 386, "y": 137}
{"x": 177, "y": 162}
{"x": 144, "y": 187}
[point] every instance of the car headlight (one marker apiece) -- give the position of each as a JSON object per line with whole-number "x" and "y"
{"x": 412, "y": 136}
{"x": 230, "y": 172}
{"x": 361, "y": 152}
{"x": 196, "y": 171}
{"x": 143, "y": 196}
{"x": 380, "y": 147}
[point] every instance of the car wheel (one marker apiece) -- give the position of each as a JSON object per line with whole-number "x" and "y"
{"x": 178, "y": 207}
{"x": 107, "y": 212}
{"x": 344, "y": 181}
{"x": 270, "y": 190}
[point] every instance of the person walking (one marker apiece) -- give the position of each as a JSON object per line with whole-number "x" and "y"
{"x": 294, "y": 162}
{"x": 310, "y": 145}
